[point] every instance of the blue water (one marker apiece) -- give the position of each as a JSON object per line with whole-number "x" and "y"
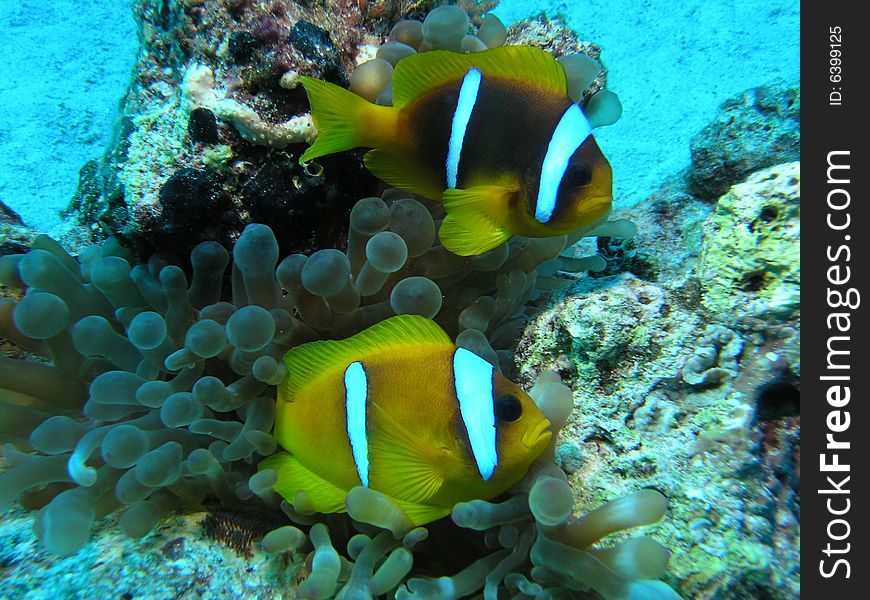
{"x": 68, "y": 64}
{"x": 64, "y": 66}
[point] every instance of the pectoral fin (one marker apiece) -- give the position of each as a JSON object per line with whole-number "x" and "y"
{"x": 475, "y": 216}
{"x": 404, "y": 466}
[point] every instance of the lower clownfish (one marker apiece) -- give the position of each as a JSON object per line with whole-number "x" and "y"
{"x": 493, "y": 135}
{"x": 398, "y": 408}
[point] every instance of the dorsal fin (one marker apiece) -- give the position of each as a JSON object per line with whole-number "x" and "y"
{"x": 418, "y": 74}
{"x": 308, "y": 361}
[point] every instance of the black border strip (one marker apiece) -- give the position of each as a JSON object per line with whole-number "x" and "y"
{"x": 836, "y": 261}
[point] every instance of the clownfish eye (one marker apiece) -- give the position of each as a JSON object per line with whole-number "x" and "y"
{"x": 508, "y": 408}
{"x": 578, "y": 175}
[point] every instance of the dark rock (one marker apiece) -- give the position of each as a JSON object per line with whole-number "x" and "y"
{"x": 7, "y": 248}
{"x": 9, "y": 216}
{"x": 758, "y": 129}
{"x": 96, "y": 206}
{"x": 236, "y": 8}
{"x": 191, "y": 196}
{"x": 778, "y": 398}
{"x": 312, "y": 41}
{"x": 99, "y": 201}
{"x": 202, "y": 126}
{"x": 315, "y": 45}
{"x": 241, "y": 46}
{"x": 195, "y": 208}
{"x": 85, "y": 203}
{"x": 267, "y": 29}
{"x": 622, "y": 256}
{"x": 308, "y": 213}
{"x": 173, "y": 549}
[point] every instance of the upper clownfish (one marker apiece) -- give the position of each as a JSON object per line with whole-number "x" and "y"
{"x": 493, "y": 135}
{"x": 398, "y": 408}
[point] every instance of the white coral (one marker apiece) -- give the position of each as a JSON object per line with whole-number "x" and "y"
{"x": 199, "y": 89}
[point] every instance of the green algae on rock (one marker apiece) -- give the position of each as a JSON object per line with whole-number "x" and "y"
{"x": 750, "y": 254}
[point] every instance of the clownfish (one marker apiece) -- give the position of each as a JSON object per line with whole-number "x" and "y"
{"x": 398, "y": 408}
{"x": 493, "y": 135}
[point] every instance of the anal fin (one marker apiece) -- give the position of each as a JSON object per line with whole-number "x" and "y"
{"x": 474, "y": 219}
{"x": 293, "y": 477}
{"x": 421, "y": 514}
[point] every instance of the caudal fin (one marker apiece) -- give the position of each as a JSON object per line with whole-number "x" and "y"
{"x": 337, "y": 115}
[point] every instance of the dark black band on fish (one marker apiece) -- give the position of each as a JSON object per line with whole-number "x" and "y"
{"x": 472, "y": 139}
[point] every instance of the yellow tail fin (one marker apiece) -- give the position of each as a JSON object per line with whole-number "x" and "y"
{"x": 343, "y": 119}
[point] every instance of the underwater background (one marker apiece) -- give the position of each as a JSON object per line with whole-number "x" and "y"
{"x": 680, "y": 343}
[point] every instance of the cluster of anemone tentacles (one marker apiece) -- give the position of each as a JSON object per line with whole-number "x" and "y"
{"x": 446, "y": 28}
{"x": 153, "y": 390}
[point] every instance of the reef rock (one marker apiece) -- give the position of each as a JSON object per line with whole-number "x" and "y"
{"x": 690, "y": 385}
{"x": 15, "y": 235}
{"x": 750, "y": 253}
{"x": 180, "y": 560}
{"x": 215, "y": 88}
{"x": 757, "y": 129}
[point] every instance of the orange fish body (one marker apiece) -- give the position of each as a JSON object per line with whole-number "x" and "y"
{"x": 399, "y": 409}
{"x": 492, "y": 134}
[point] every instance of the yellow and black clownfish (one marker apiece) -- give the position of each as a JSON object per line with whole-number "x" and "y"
{"x": 398, "y": 408}
{"x": 493, "y": 135}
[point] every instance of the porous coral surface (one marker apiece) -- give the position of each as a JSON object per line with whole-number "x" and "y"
{"x": 689, "y": 384}
{"x": 750, "y": 254}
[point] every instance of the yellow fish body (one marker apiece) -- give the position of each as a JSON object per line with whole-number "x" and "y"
{"x": 399, "y": 409}
{"x": 492, "y": 134}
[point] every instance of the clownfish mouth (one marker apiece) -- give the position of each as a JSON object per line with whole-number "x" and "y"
{"x": 597, "y": 207}
{"x": 538, "y": 435}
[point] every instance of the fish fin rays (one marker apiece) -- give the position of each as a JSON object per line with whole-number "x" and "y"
{"x": 293, "y": 477}
{"x": 421, "y": 514}
{"x": 344, "y": 120}
{"x": 420, "y": 73}
{"x": 472, "y": 224}
{"x": 335, "y": 112}
{"x": 308, "y": 361}
{"x": 399, "y": 172}
{"x": 407, "y": 467}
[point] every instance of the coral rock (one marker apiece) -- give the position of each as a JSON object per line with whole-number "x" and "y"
{"x": 758, "y": 129}
{"x": 750, "y": 254}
